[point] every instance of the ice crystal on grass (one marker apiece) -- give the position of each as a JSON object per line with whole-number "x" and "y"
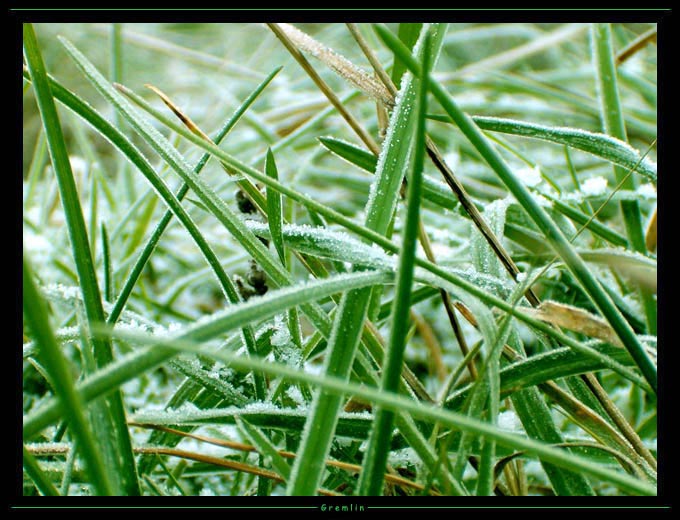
{"x": 531, "y": 177}
{"x": 594, "y": 186}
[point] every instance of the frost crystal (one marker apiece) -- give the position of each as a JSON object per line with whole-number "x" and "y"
{"x": 530, "y": 176}
{"x": 647, "y": 190}
{"x": 594, "y": 186}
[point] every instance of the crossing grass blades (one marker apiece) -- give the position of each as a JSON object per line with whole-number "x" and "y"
{"x": 340, "y": 260}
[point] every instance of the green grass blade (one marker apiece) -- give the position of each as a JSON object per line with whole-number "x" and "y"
{"x": 613, "y": 123}
{"x": 427, "y": 412}
{"x": 552, "y": 233}
{"x": 537, "y": 369}
{"x": 70, "y": 403}
{"x": 274, "y": 213}
{"x": 315, "y": 444}
{"x": 106, "y": 265}
{"x": 282, "y": 419}
{"x": 408, "y": 33}
{"x": 375, "y": 459}
{"x": 434, "y": 191}
{"x": 165, "y": 220}
{"x": 131, "y": 152}
{"x": 212, "y": 201}
{"x": 605, "y": 146}
{"x": 265, "y": 447}
{"x": 234, "y": 317}
{"x": 116, "y": 74}
{"x": 116, "y": 448}
{"x": 538, "y": 423}
{"x": 37, "y": 475}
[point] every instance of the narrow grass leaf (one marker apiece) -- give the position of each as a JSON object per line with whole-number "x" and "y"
{"x": 613, "y": 124}
{"x": 440, "y": 277}
{"x": 274, "y": 211}
{"x": 69, "y": 402}
{"x": 432, "y": 413}
{"x": 605, "y": 146}
{"x": 375, "y": 459}
{"x": 434, "y": 191}
{"x": 139, "y": 361}
{"x": 42, "y": 482}
{"x": 265, "y": 447}
{"x": 117, "y": 448}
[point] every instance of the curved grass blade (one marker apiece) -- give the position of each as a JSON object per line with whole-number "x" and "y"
{"x": 116, "y": 448}
{"x": 427, "y": 412}
{"x": 552, "y": 233}
{"x": 274, "y": 212}
{"x": 434, "y": 191}
{"x": 69, "y": 402}
{"x": 265, "y": 447}
{"x": 212, "y": 201}
{"x": 234, "y": 317}
{"x": 41, "y": 481}
{"x": 231, "y": 222}
{"x": 165, "y": 220}
{"x": 548, "y": 366}
{"x": 351, "y": 425}
{"x": 605, "y": 146}
{"x": 136, "y": 158}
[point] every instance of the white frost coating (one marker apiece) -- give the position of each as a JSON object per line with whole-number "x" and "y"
{"x": 335, "y": 245}
{"x": 294, "y": 393}
{"x": 594, "y": 186}
{"x": 595, "y": 143}
{"x": 281, "y": 336}
{"x": 397, "y": 120}
{"x": 508, "y": 420}
{"x": 521, "y": 277}
{"x": 65, "y": 291}
{"x": 341, "y": 65}
{"x": 37, "y": 245}
{"x": 647, "y": 190}
{"x": 405, "y": 457}
{"x": 530, "y": 176}
{"x": 285, "y": 351}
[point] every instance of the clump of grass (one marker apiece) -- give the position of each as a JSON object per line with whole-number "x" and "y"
{"x": 271, "y": 326}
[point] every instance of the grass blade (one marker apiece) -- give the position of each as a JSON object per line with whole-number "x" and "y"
{"x": 165, "y": 220}
{"x": 274, "y": 213}
{"x": 117, "y": 448}
{"x": 604, "y": 146}
{"x": 423, "y": 411}
{"x": 41, "y": 481}
{"x": 35, "y": 315}
{"x": 434, "y": 191}
{"x": 234, "y": 317}
{"x": 408, "y": 33}
{"x": 375, "y": 459}
{"x": 441, "y": 277}
{"x": 265, "y": 447}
